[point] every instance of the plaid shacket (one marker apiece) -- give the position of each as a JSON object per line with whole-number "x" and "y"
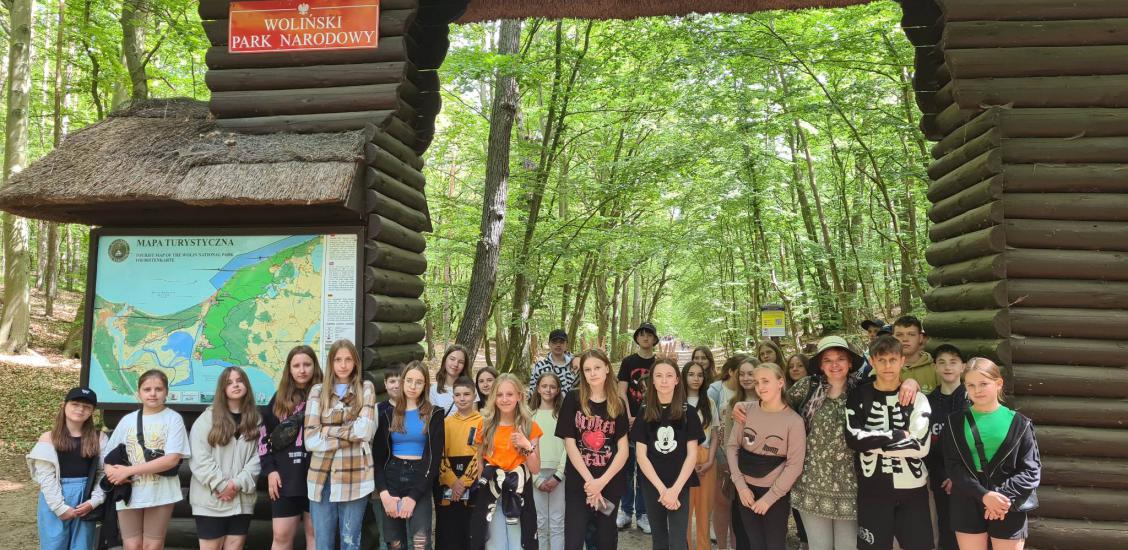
{"x": 340, "y": 445}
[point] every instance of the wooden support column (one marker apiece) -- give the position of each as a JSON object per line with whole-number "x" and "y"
{"x": 1028, "y": 100}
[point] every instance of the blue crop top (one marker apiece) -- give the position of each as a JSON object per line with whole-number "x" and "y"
{"x": 412, "y": 442}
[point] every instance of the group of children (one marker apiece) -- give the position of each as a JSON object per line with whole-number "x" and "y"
{"x": 568, "y": 459}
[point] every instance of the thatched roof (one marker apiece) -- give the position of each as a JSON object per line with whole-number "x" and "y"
{"x": 484, "y": 10}
{"x": 164, "y": 161}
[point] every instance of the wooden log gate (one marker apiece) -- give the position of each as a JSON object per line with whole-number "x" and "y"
{"x": 1028, "y": 103}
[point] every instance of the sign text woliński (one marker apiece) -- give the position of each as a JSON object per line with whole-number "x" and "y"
{"x": 294, "y": 25}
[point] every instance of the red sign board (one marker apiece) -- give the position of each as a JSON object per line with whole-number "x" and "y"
{"x": 294, "y": 25}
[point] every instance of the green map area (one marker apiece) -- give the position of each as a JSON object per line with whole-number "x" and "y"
{"x": 263, "y": 302}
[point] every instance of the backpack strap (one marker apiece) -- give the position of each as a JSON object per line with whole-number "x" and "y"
{"x": 141, "y": 433}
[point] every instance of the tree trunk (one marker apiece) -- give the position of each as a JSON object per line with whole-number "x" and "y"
{"x": 483, "y": 277}
{"x": 58, "y": 131}
{"x": 16, "y": 319}
{"x": 134, "y": 17}
{"x": 836, "y": 278}
{"x": 72, "y": 346}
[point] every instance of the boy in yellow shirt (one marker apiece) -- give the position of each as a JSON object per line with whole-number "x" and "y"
{"x": 457, "y": 472}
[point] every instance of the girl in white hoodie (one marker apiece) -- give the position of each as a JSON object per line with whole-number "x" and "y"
{"x": 61, "y": 463}
{"x": 225, "y": 463}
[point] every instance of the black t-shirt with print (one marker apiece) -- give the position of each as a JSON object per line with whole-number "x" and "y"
{"x": 597, "y": 437}
{"x": 635, "y": 371}
{"x": 666, "y": 442}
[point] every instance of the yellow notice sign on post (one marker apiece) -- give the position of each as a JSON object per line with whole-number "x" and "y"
{"x": 772, "y": 321}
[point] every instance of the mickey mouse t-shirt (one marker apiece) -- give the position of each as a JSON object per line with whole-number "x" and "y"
{"x": 597, "y": 437}
{"x": 666, "y": 442}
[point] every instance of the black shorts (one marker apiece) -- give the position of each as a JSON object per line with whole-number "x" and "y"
{"x": 288, "y": 507}
{"x": 906, "y": 515}
{"x": 210, "y": 528}
{"x": 967, "y": 517}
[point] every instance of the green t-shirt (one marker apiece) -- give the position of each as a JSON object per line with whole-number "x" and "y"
{"x": 993, "y": 428}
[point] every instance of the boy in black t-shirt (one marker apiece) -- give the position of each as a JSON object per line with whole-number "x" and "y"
{"x": 633, "y": 375}
{"x": 890, "y": 443}
{"x": 949, "y": 397}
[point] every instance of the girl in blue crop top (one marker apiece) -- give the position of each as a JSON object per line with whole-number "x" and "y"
{"x": 407, "y": 448}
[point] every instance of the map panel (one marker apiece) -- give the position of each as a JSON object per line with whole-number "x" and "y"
{"x": 193, "y": 305}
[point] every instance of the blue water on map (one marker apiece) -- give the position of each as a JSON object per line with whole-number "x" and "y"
{"x": 256, "y": 256}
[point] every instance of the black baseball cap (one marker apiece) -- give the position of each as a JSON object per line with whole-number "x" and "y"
{"x": 876, "y": 323}
{"x": 646, "y": 326}
{"x": 557, "y": 334}
{"x": 885, "y": 329}
{"x": 82, "y": 393}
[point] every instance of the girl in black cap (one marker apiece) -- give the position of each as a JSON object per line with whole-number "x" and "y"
{"x": 62, "y": 462}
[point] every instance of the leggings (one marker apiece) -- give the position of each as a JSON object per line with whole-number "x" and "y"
{"x": 722, "y": 509}
{"x": 667, "y": 527}
{"x": 144, "y": 523}
{"x": 578, "y": 516}
{"x": 768, "y": 531}
{"x": 700, "y": 501}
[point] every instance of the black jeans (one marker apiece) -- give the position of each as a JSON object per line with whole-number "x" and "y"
{"x": 667, "y": 527}
{"x": 943, "y": 517}
{"x": 578, "y": 517}
{"x": 413, "y": 532}
{"x": 769, "y": 531}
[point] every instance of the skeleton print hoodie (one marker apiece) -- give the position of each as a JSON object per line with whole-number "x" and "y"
{"x": 890, "y": 441}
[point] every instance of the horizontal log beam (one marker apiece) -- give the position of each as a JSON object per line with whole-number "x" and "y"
{"x": 1068, "y": 235}
{"x": 952, "y": 117}
{"x": 388, "y": 334}
{"x": 390, "y": 309}
{"x": 1069, "y": 380}
{"x": 1074, "y": 411}
{"x": 1065, "y": 122}
{"x": 1068, "y": 150}
{"x": 395, "y": 48}
{"x": 997, "y": 350}
{"x": 1100, "y": 353}
{"x": 392, "y": 23}
{"x": 973, "y": 220}
{"x": 979, "y": 270}
{"x": 387, "y": 185}
{"x": 1078, "y": 60}
{"x": 1083, "y": 503}
{"x": 393, "y": 166}
{"x": 306, "y": 124}
{"x": 1011, "y": 10}
{"x": 1097, "y": 207}
{"x": 976, "y": 127}
{"x": 1075, "y": 441}
{"x": 990, "y": 323}
{"x": 315, "y": 76}
{"x": 382, "y": 356}
{"x": 1076, "y": 533}
{"x": 1025, "y": 263}
{"x": 984, "y": 242}
{"x": 965, "y": 153}
{"x": 970, "y": 173}
{"x": 392, "y": 283}
{"x": 343, "y": 99}
{"x": 396, "y": 147}
{"x": 1067, "y": 293}
{"x": 379, "y": 203}
{"x": 1059, "y": 91}
{"x": 1012, "y": 34}
{"x": 218, "y": 9}
{"x": 1105, "y": 473}
{"x": 1061, "y": 178}
{"x": 988, "y": 295}
{"x": 990, "y": 189}
{"x": 388, "y": 231}
{"x": 386, "y": 256}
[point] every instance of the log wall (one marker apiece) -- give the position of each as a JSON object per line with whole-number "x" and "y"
{"x": 1028, "y": 103}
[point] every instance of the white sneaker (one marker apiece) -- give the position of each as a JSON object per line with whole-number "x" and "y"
{"x": 643, "y": 524}
{"x": 622, "y": 520}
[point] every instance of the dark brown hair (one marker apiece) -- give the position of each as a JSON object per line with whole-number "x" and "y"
{"x": 615, "y": 404}
{"x": 535, "y": 399}
{"x": 152, "y": 373}
{"x": 223, "y": 422}
{"x": 289, "y": 396}
{"x": 398, "y": 412}
{"x": 704, "y": 404}
{"x": 441, "y": 378}
{"x": 885, "y": 345}
{"x": 61, "y": 437}
{"x": 653, "y": 409}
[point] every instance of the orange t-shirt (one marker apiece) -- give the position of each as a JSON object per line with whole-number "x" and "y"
{"x": 504, "y": 456}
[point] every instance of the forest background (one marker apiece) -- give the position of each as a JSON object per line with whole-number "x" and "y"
{"x": 682, "y": 170}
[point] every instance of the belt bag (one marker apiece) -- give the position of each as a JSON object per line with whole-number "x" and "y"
{"x": 754, "y": 465}
{"x": 153, "y": 454}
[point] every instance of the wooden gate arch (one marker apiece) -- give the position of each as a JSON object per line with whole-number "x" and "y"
{"x": 1026, "y": 101}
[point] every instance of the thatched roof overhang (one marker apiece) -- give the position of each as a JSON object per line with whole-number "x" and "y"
{"x": 484, "y": 10}
{"x": 163, "y": 162}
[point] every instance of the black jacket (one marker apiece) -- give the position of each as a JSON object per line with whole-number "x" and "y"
{"x": 484, "y": 497}
{"x": 292, "y": 462}
{"x": 432, "y": 454}
{"x": 1015, "y": 471}
{"x": 942, "y": 406}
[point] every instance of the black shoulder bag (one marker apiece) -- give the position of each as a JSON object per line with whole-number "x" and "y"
{"x": 982, "y": 473}
{"x": 286, "y": 432}
{"x": 153, "y": 454}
